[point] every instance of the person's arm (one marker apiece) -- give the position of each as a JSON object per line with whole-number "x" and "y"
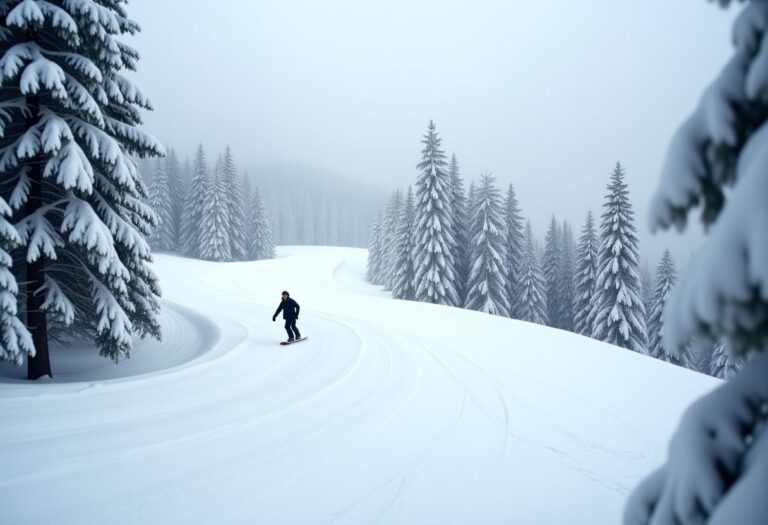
{"x": 279, "y": 309}
{"x": 297, "y": 308}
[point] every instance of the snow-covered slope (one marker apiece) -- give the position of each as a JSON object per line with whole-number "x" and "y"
{"x": 391, "y": 412}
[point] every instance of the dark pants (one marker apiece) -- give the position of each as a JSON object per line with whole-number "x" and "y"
{"x": 290, "y": 327}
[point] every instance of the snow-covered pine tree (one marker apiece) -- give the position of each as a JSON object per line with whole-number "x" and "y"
{"x": 194, "y": 204}
{"x": 268, "y": 209}
{"x": 666, "y": 275}
{"x": 721, "y": 364}
{"x": 471, "y": 193}
{"x": 404, "y": 263}
{"x": 215, "y": 242}
{"x": 373, "y": 271}
{"x": 277, "y": 213}
{"x": 531, "y": 294}
{"x": 699, "y": 356}
{"x": 177, "y": 186}
{"x": 250, "y": 213}
{"x": 647, "y": 287}
{"x": 235, "y": 208}
{"x": 619, "y": 316}
{"x": 435, "y": 272}
{"x": 261, "y": 245}
{"x": 539, "y": 249}
{"x": 513, "y": 250}
{"x": 15, "y": 339}
{"x": 164, "y": 235}
{"x": 486, "y": 288}
{"x": 585, "y": 277}
{"x": 389, "y": 239}
{"x": 566, "y": 277}
{"x": 69, "y": 121}
{"x": 552, "y": 265}
{"x": 247, "y": 192}
{"x": 185, "y": 174}
{"x": 719, "y": 454}
{"x": 461, "y": 221}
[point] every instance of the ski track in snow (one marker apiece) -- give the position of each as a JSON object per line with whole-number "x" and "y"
{"x": 391, "y": 412}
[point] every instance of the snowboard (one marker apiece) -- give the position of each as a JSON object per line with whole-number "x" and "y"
{"x": 286, "y": 343}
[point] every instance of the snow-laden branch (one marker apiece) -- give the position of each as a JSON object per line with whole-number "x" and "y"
{"x": 708, "y": 453}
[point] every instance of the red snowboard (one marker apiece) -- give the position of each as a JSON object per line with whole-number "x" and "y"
{"x": 285, "y": 343}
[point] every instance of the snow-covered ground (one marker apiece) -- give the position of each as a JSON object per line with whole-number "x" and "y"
{"x": 391, "y": 412}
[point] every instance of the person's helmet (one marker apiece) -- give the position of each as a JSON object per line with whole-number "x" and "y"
{"x": 286, "y": 293}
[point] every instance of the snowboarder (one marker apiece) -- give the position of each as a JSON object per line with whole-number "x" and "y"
{"x": 290, "y": 309}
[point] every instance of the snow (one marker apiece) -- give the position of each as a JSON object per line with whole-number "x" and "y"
{"x": 720, "y": 439}
{"x": 27, "y": 11}
{"x": 391, "y": 412}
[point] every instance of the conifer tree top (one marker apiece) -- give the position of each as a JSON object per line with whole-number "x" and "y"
{"x": 618, "y": 312}
{"x": 432, "y": 157}
{"x": 435, "y": 267}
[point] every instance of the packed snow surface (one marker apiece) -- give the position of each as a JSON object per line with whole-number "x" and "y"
{"x": 391, "y": 412}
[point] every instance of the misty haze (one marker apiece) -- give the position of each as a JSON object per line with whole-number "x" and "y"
{"x": 397, "y": 262}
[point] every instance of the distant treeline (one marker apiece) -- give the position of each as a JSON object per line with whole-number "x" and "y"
{"x": 215, "y": 212}
{"x": 474, "y": 249}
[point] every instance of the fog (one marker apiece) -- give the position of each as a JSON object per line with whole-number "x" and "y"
{"x": 546, "y": 94}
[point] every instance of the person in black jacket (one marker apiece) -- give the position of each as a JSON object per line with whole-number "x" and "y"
{"x": 290, "y": 309}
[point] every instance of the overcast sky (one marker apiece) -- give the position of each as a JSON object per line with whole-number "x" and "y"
{"x": 546, "y": 94}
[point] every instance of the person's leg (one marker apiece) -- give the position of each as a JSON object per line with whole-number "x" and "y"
{"x": 288, "y": 329}
{"x": 295, "y": 330}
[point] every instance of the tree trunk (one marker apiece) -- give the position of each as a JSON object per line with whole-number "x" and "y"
{"x": 37, "y": 322}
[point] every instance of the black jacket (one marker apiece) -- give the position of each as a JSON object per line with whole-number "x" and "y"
{"x": 290, "y": 309}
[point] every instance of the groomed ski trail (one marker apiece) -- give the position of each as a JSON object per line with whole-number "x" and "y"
{"x": 392, "y": 412}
